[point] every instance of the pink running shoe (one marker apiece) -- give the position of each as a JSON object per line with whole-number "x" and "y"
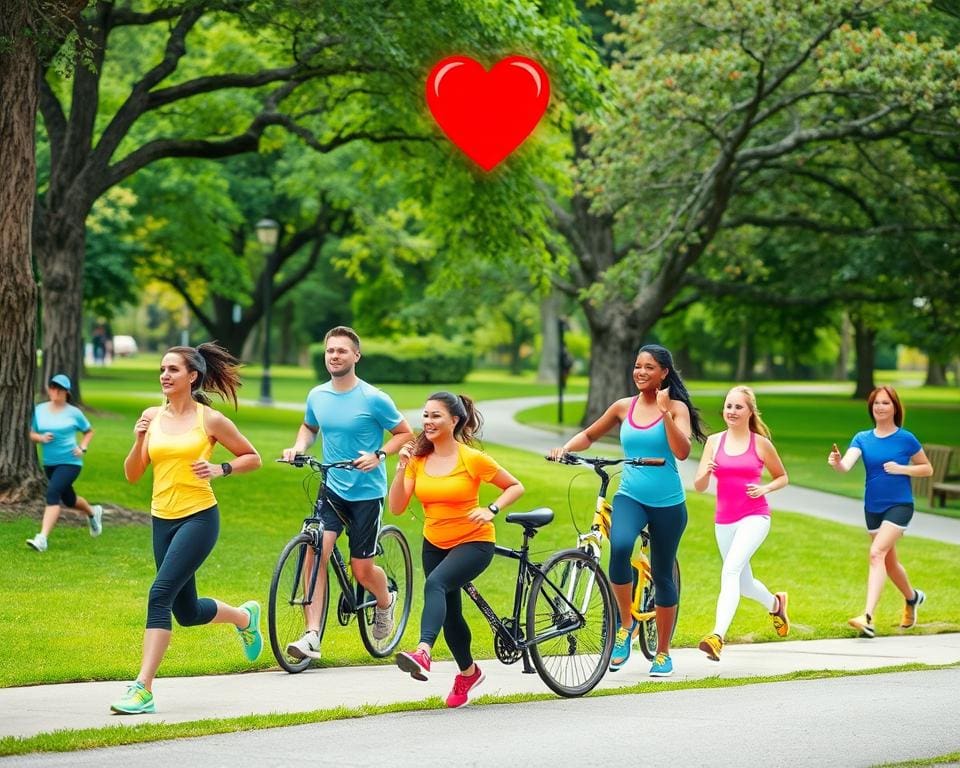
{"x": 417, "y": 663}
{"x": 464, "y": 688}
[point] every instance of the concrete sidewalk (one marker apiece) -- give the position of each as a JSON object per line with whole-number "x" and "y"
{"x": 32, "y": 710}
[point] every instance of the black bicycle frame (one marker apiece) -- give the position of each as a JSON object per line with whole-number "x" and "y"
{"x": 526, "y": 572}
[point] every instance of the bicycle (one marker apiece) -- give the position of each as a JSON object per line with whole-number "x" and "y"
{"x": 292, "y": 587}
{"x": 642, "y": 607}
{"x": 569, "y": 630}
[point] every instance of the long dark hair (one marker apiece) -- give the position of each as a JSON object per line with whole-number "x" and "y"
{"x": 469, "y": 421}
{"x": 217, "y": 371}
{"x": 678, "y": 390}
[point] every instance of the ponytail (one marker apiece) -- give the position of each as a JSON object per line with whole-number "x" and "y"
{"x": 217, "y": 371}
{"x": 467, "y": 428}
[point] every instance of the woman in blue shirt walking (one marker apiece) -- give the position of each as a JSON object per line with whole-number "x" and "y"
{"x": 658, "y": 422}
{"x": 55, "y": 426}
{"x": 891, "y": 456}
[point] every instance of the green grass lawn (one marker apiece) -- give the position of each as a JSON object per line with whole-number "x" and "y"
{"x": 805, "y": 426}
{"x": 84, "y": 601}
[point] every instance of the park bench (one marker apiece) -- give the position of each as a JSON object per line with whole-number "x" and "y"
{"x": 940, "y": 484}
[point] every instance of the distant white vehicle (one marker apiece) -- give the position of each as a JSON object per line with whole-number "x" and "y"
{"x": 124, "y": 346}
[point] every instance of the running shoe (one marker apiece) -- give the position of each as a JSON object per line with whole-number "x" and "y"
{"x": 383, "y": 619}
{"x": 95, "y": 521}
{"x": 909, "y": 620}
{"x": 250, "y": 637}
{"x": 712, "y": 645}
{"x": 621, "y": 648}
{"x": 307, "y": 647}
{"x": 781, "y": 622}
{"x": 662, "y": 666}
{"x": 864, "y": 623}
{"x": 417, "y": 663}
{"x": 464, "y": 688}
{"x": 136, "y": 701}
{"x": 38, "y": 542}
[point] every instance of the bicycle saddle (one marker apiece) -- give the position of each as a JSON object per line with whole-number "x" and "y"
{"x": 534, "y": 519}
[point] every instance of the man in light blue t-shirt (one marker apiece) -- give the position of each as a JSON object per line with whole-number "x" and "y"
{"x": 351, "y": 417}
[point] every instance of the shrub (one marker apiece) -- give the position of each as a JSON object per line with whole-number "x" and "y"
{"x": 406, "y": 360}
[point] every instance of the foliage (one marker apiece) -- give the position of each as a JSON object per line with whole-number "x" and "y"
{"x": 406, "y": 360}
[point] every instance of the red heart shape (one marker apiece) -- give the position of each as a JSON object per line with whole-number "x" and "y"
{"x": 487, "y": 114}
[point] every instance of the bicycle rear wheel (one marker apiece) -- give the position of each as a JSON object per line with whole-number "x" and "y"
{"x": 289, "y": 588}
{"x": 571, "y": 597}
{"x": 648, "y": 628}
{"x": 393, "y": 555}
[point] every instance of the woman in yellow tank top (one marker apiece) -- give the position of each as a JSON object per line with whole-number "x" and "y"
{"x": 178, "y": 439}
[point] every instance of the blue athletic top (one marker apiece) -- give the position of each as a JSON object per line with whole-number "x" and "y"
{"x": 654, "y": 486}
{"x": 350, "y": 422}
{"x": 884, "y": 490}
{"x": 64, "y": 424}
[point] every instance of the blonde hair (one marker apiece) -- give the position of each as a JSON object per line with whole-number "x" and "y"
{"x": 756, "y": 423}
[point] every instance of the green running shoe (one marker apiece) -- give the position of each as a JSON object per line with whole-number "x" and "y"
{"x": 250, "y": 637}
{"x": 136, "y": 701}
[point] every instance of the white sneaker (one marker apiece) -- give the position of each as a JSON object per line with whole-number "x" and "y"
{"x": 307, "y": 647}
{"x": 38, "y": 542}
{"x": 95, "y": 521}
{"x": 383, "y": 619}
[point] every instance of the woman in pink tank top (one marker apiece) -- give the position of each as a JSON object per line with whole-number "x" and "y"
{"x": 737, "y": 457}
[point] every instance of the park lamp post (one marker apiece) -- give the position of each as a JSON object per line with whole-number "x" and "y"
{"x": 268, "y": 234}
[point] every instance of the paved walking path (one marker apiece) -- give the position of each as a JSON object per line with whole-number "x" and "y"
{"x": 28, "y": 711}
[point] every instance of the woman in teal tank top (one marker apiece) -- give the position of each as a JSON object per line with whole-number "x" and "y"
{"x": 658, "y": 422}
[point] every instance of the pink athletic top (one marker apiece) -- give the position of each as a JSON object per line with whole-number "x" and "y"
{"x": 733, "y": 473}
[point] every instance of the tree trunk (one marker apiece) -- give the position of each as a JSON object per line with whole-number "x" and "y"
{"x": 550, "y": 339}
{"x": 745, "y": 356}
{"x": 864, "y": 341}
{"x": 60, "y": 254}
{"x": 843, "y": 355}
{"x": 936, "y": 373}
{"x": 613, "y": 349}
{"x": 20, "y": 478}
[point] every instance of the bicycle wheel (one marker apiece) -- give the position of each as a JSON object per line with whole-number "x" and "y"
{"x": 648, "y": 628}
{"x": 288, "y": 590}
{"x": 572, "y": 598}
{"x": 393, "y": 555}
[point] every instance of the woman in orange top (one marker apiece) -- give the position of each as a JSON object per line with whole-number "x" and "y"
{"x": 178, "y": 439}
{"x": 444, "y": 472}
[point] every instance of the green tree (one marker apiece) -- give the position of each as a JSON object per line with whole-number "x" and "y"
{"x": 714, "y": 106}
{"x": 31, "y": 32}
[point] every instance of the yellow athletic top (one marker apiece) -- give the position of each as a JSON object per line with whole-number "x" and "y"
{"x": 177, "y": 492}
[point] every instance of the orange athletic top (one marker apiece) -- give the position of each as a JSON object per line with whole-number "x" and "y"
{"x": 448, "y": 499}
{"x": 177, "y": 492}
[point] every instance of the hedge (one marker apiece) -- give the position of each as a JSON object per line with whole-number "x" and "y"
{"x": 406, "y": 360}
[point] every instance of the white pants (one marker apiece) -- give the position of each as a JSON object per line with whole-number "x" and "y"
{"x": 738, "y": 541}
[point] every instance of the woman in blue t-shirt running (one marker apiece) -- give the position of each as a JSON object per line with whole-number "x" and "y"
{"x": 55, "y": 426}
{"x": 658, "y": 422}
{"x": 891, "y": 456}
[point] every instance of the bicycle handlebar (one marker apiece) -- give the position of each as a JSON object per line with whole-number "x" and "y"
{"x": 597, "y": 461}
{"x": 301, "y": 460}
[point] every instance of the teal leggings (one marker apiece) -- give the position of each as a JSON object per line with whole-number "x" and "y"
{"x": 666, "y": 525}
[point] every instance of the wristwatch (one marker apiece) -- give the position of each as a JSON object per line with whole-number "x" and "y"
{"x": 227, "y": 468}
{"x": 494, "y": 508}
{"x": 381, "y": 454}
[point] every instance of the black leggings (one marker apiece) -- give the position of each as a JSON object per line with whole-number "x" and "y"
{"x": 60, "y": 488}
{"x": 179, "y": 548}
{"x": 447, "y": 570}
